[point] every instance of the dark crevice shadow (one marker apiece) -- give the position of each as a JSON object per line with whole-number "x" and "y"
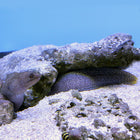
{"x": 88, "y": 79}
{"x": 2, "y": 54}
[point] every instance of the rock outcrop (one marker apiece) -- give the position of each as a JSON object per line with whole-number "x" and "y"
{"x": 6, "y": 111}
{"x": 107, "y": 113}
{"x": 100, "y": 116}
{"x": 48, "y": 61}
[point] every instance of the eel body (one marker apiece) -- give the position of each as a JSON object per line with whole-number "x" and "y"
{"x": 16, "y": 84}
{"x": 88, "y": 79}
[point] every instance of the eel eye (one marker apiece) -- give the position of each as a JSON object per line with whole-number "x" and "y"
{"x": 31, "y": 76}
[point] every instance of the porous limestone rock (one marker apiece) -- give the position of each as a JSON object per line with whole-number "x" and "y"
{"x": 6, "y": 111}
{"x": 114, "y": 51}
{"x": 107, "y": 113}
{"x": 100, "y": 116}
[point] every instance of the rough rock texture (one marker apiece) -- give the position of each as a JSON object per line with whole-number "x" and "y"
{"x": 93, "y": 117}
{"x": 121, "y": 115}
{"x": 6, "y": 111}
{"x": 114, "y": 51}
{"x": 39, "y": 122}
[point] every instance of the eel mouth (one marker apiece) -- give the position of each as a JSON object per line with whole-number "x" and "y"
{"x": 16, "y": 84}
{"x": 31, "y": 79}
{"x": 34, "y": 77}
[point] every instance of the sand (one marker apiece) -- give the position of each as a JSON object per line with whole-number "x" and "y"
{"x": 37, "y": 123}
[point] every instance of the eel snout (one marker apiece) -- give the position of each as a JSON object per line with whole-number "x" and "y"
{"x": 16, "y": 84}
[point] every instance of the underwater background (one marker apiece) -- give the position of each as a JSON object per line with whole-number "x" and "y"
{"x": 39, "y": 22}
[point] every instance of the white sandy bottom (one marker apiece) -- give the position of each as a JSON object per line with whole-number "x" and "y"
{"x": 37, "y": 123}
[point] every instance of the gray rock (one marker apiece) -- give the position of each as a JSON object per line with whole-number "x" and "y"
{"x": 120, "y": 135}
{"x": 113, "y": 99}
{"x": 72, "y": 104}
{"x": 53, "y": 101}
{"x": 91, "y": 100}
{"x": 47, "y": 61}
{"x": 112, "y": 51}
{"x": 99, "y": 135}
{"x": 98, "y": 123}
{"x": 66, "y": 120}
{"x": 75, "y": 134}
{"x": 6, "y": 111}
{"x": 132, "y": 123}
{"x": 76, "y": 94}
{"x": 98, "y": 127}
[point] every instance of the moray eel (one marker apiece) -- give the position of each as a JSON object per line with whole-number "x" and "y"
{"x": 16, "y": 84}
{"x": 88, "y": 79}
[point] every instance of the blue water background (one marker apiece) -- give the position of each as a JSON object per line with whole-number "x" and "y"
{"x": 24, "y": 23}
